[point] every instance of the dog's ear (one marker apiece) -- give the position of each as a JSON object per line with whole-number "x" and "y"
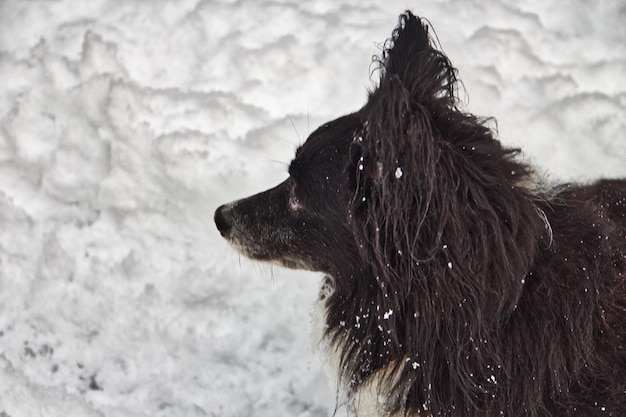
{"x": 395, "y": 155}
{"x": 435, "y": 194}
{"x": 410, "y": 58}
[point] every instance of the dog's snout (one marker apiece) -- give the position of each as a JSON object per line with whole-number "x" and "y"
{"x": 223, "y": 220}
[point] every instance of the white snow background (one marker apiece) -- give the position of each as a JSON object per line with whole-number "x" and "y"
{"x": 124, "y": 124}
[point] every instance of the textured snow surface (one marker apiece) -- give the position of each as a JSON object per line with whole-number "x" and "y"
{"x": 124, "y": 124}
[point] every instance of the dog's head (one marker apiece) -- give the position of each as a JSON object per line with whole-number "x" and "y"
{"x": 307, "y": 221}
{"x": 378, "y": 187}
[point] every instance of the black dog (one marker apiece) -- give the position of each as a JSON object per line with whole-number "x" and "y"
{"x": 456, "y": 286}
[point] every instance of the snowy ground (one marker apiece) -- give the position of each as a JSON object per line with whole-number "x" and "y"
{"x": 124, "y": 124}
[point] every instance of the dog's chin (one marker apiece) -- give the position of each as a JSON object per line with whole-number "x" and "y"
{"x": 262, "y": 255}
{"x": 292, "y": 264}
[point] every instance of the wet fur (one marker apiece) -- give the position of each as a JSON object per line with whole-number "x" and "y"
{"x": 456, "y": 286}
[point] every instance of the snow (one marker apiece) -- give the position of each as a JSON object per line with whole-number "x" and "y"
{"x": 123, "y": 125}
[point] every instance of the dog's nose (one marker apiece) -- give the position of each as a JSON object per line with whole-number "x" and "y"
{"x": 223, "y": 220}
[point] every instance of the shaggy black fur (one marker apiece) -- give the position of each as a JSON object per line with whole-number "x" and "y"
{"x": 460, "y": 287}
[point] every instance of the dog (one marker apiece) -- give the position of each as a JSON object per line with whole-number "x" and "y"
{"x": 456, "y": 282}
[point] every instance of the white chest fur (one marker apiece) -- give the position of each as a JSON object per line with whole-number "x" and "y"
{"x": 366, "y": 402}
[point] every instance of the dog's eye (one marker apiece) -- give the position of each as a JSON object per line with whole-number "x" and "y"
{"x": 294, "y": 203}
{"x": 295, "y": 206}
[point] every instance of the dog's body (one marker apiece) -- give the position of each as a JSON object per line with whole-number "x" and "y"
{"x": 455, "y": 286}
